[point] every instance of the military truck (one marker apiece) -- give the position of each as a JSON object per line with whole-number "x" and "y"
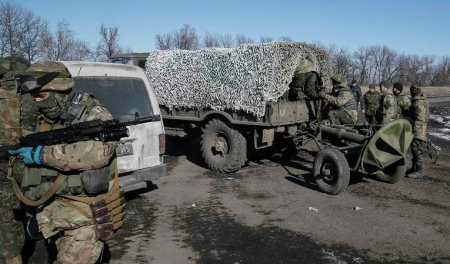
{"x": 229, "y": 134}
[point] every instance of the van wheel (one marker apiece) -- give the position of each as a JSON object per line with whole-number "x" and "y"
{"x": 223, "y": 149}
{"x": 393, "y": 173}
{"x": 331, "y": 171}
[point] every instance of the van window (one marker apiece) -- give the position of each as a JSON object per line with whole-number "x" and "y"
{"x": 125, "y": 97}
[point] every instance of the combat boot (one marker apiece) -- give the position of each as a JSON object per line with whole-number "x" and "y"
{"x": 417, "y": 173}
{"x": 15, "y": 260}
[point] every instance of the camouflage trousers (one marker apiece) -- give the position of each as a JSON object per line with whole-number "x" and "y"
{"x": 417, "y": 147}
{"x": 11, "y": 229}
{"x": 340, "y": 117}
{"x": 371, "y": 119}
{"x": 78, "y": 242}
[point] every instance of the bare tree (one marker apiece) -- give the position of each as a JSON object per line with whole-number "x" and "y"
{"x": 11, "y": 26}
{"x": 109, "y": 42}
{"x": 242, "y": 39}
{"x": 226, "y": 41}
{"x": 361, "y": 59}
{"x": 164, "y": 42}
{"x": 265, "y": 39}
{"x": 210, "y": 40}
{"x": 63, "y": 45}
{"x": 286, "y": 38}
{"x": 442, "y": 72}
{"x": 34, "y": 30}
{"x": 186, "y": 38}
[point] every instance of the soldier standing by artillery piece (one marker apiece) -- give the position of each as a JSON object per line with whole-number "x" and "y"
{"x": 418, "y": 113}
{"x": 403, "y": 102}
{"x": 341, "y": 102}
{"x": 65, "y": 181}
{"x": 388, "y": 104}
{"x": 370, "y": 104}
{"x": 305, "y": 85}
{"x": 16, "y": 119}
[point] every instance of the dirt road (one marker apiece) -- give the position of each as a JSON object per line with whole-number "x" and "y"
{"x": 272, "y": 213}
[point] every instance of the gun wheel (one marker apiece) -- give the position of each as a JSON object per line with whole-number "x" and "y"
{"x": 392, "y": 173}
{"x": 331, "y": 171}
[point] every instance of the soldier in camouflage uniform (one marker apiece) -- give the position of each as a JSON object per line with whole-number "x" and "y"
{"x": 370, "y": 104}
{"x": 388, "y": 104}
{"x": 58, "y": 177}
{"x": 341, "y": 102}
{"x": 403, "y": 102}
{"x": 418, "y": 113}
{"x": 305, "y": 85}
{"x": 14, "y": 113}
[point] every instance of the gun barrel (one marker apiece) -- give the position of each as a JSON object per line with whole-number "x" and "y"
{"x": 341, "y": 133}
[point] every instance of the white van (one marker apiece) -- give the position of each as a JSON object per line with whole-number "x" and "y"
{"x": 126, "y": 93}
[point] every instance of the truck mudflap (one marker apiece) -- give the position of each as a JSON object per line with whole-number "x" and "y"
{"x": 138, "y": 179}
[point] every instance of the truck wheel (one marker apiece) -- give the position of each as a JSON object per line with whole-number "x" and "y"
{"x": 331, "y": 171}
{"x": 392, "y": 173}
{"x": 223, "y": 149}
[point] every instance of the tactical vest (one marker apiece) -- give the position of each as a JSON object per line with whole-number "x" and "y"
{"x": 402, "y": 99}
{"x": 350, "y": 104}
{"x": 38, "y": 180}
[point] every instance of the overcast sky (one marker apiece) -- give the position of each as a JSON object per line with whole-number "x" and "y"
{"x": 408, "y": 26}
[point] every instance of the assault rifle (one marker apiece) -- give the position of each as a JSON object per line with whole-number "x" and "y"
{"x": 436, "y": 150}
{"x": 109, "y": 130}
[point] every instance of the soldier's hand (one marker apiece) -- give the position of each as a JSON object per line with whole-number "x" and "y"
{"x": 30, "y": 155}
{"x": 322, "y": 94}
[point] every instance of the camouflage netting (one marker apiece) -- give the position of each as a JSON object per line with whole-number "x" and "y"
{"x": 241, "y": 79}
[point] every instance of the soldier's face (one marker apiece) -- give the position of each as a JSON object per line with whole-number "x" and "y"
{"x": 41, "y": 96}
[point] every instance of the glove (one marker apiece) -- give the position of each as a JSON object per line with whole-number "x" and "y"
{"x": 322, "y": 94}
{"x": 31, "y": 155}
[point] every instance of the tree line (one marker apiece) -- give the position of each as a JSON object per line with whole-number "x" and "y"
{"x": 24, "y": 33}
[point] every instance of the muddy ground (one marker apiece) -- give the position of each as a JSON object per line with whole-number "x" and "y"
{"x": 271, "y": 212}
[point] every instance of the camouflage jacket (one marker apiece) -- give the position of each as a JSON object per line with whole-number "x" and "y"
{"x": 343, "y": 100}
{"x": 304, "y": 83}
{"x": 419, "y": 113}
{"x": 73, "y": 159}
{"x": 371, "y": 103}
{"x": 388, "y": 108}
{"x": 403, "y": 105}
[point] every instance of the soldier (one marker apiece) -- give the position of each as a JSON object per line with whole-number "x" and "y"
{"x": 341, "y": 102}
{"x": 418, "y": 113}
{"x": 305, "y": 84}
{"x": 356, "y": 90}
{"x": 14, "y": 113}
{"x": 388, "y": 104}
{"x": 403, "y": 102}
{"x": 370, "y": 104}
{"x": 62, "y": 180}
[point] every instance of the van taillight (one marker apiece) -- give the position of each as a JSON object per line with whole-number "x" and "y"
{"x": 162, "y": 143}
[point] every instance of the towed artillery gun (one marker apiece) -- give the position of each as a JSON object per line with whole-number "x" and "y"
{"x": 235, "y": 100}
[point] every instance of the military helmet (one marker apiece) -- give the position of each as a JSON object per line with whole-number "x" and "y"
{"x": 414, "y": 89}
{"x": 13, "y": 65}
{"x": 339, "y": 79}
{"x": 305, "y": 65}
{"x": 46, "y": 76}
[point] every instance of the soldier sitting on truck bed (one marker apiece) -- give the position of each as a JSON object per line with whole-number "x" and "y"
{"x": 305, "y": 85}
{"x": 341, "y": 103}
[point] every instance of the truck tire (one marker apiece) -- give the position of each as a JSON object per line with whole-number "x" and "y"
{"x": 392, "y": 173}
{"x": 223, "y": 149}
{"x": 331, "y": 171}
